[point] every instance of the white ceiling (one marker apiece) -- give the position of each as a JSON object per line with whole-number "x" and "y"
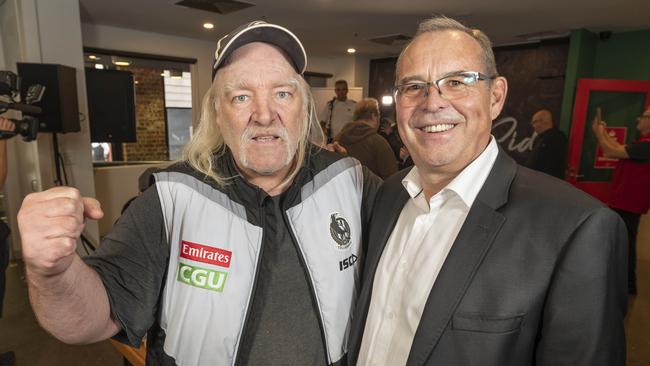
{"x": 329, "y": 27}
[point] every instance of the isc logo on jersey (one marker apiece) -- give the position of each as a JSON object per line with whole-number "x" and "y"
{"x": 201, "y": 277}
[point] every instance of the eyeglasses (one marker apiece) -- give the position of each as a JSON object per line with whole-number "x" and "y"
{"x": 450, "y": 87}
{"x": 643, "y": 116}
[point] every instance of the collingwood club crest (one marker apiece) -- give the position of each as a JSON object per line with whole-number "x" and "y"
{"x": 340, "y": 230}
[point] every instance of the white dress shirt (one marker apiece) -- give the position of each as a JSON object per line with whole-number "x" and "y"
{"x": 413, "y": 257}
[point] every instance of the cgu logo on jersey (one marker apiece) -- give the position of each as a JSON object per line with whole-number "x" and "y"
{"x": 205, "y": 278}
{"x": 340, "y": 230}
{"x": 201, "y": 277}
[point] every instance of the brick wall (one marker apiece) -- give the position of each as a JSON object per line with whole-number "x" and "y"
{"x": 150, "y": 117}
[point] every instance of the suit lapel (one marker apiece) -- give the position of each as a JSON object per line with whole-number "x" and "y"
{"x": 470, "y": 247}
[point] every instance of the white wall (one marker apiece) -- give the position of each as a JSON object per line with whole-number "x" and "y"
{"x": 122, "y": 39}
{"x": 353, "y": 69}
{"x": 115, "y": 185}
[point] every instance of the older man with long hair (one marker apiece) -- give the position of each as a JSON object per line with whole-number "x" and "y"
{"x": 247, "y": 252}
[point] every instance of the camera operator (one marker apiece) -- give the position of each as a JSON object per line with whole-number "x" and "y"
{"x": 7, "y": 358}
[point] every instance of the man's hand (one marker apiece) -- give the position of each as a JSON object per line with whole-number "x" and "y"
{"x": 403, "y": 153}
{"x": 50, "y": 223}
{"x": 598, "y": 125}
{"x": 336, "y": 147}
{"x": 6, "y": 125}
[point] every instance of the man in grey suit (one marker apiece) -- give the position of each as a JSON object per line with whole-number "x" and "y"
{"x": 472, "y": 259}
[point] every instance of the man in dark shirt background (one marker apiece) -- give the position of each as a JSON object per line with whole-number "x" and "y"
{"x": 549, "y": 150}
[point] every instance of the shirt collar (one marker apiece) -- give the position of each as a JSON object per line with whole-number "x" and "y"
{"x": 467, "y": 184}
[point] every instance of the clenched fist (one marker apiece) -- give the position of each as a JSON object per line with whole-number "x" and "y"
{"x": 50, "y": 223}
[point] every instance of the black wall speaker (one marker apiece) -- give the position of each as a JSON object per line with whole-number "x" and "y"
{"x": 111, "y": 105}
{"x": 59, "y": 104}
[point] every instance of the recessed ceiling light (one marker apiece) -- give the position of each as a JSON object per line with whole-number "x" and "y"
{"x": 93, "y": 57}
{"x": 122, "y": 63}
{"x": 208, "y": 25}
{"x": 99, "y": 66}
{"x": 352, "y": 50}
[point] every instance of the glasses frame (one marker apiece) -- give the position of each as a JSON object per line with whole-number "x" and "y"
{"x": 478, "y": 75}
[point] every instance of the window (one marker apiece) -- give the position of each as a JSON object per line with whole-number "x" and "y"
{"x": 163, "y": 107}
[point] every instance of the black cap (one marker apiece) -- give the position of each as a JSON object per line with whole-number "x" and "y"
{"x": 260, "y": 31}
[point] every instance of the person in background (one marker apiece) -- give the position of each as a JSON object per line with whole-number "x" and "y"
{"x": 361, "y": 140}
{"x": 388, "y": 130}
{"x": 630, "y": 188}
{"x": 7, "y": 358}
{"x": 338, "y": 111}
{"x": 472, "y": 259}
{"x": 549, "y": 150}
{"x": 244, "y": 253}
{"x": 405, "y": 159}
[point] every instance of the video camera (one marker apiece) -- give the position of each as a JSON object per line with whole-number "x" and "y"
{"x": 9, "y": 92}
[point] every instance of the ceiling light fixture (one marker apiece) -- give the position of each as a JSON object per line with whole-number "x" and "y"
{"x": 387, "y": 100}
{"x": 208, "y": 25}
{"x": 351, "y": 50}
{"x": 120, "y": 61}
{"x": 175, "y": 74}
{"x": 99, "y": 66}
{"x": 93, "y": 57}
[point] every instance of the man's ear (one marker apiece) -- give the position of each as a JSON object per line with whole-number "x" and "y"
{"x": 498, "y": 92}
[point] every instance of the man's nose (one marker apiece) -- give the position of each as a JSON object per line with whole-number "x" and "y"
{"x": 433, "y": 99}
{"x": 263, "y": 111}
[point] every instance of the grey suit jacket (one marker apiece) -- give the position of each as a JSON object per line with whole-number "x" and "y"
{"x": 536, "y": 276}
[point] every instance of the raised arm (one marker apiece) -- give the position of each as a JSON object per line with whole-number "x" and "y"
{"x": 67, "y": 296}
{"x": 611, "y": 147}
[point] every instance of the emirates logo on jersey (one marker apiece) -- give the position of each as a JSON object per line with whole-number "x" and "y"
{"x": 206, "y": 254}
{"x": 340, "y": 230}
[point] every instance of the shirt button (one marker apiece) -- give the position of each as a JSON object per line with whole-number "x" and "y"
{"x": 391, "y": 315}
